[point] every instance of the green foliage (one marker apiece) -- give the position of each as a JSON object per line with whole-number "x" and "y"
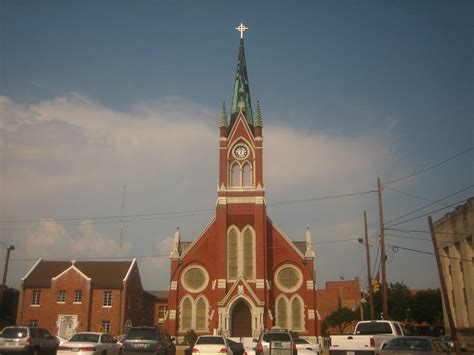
{"x": 190, "y": 337}
{"x": 341, "y": 318}
{"x": 403, "y": 306}
{"x": 9, "y": 307}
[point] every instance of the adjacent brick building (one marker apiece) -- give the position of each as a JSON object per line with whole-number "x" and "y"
{"x": 454, "y": 234}
{"x": 71, "y": 296}
{"x": 338, "y": 294}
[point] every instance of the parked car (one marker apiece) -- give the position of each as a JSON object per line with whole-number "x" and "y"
{"x": 151, "y": 340}
{"x": 275, "y": 342}
{"x": 90, "y": 343}
{"x": 212, "y": 344}
{"x": 30, "y": 340}
{"x": 305, "y": 347}
{"x": 448, "y": 340}
{"x": 416, "y": 345}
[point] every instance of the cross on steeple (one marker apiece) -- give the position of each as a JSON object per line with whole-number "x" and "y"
{"x": 241, "y": 29}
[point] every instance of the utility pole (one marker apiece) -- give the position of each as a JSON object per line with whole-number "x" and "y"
{"x": 5, "y": 270}
{"x": 447, "y": 305}
{"x": 369, "y": 277}
{"x": 383, "y": 257}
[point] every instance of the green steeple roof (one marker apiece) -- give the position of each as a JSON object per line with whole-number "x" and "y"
{"x": 241, "y": 99}
{"x": 258, "y": 116}
{"x": 223, "y": 122}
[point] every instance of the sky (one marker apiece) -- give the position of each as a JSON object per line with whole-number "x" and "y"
{"x": 95, "y": 95}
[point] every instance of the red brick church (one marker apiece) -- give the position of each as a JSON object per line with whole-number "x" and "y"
{"x": 241, "y": 274}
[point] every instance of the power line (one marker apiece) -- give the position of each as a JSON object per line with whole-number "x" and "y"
{"x": 429, "y": 167}
{"x": 430, "y": 204}
{"x": 426, "y": 214}
{"x": 413, "y": 195}
{"x": 167, "y": 255}
{"x": 427, "y": 232}
{"x": 444, "y": 242}
{"x": 180, "y": 213}
{"x": 429, "y": 253}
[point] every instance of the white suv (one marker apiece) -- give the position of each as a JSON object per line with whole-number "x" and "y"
{"x": 275, "y": 342}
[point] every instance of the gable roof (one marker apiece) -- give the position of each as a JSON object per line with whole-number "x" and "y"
{"x": 159, "y": 295}
{"x": 104, "y": 274}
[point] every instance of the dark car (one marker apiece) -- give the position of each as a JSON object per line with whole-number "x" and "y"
{"x": 237, "y": 348}
{"x": 148, "y": 340}
{"x": 27, "y": 340}
{"x": 413, "y": 345}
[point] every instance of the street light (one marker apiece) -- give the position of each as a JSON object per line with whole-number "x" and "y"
{"x": 5, "y": 270}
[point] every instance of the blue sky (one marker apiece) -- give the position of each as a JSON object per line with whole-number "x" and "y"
{"x": 95, "y": 94}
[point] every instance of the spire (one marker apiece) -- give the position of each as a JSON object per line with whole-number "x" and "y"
{"x": 175, "y": 252}
{"x": 223, "y": 122}
{"x": 241, "y": 98}
{"x": 309, "y": 247}
{"x": 258, "y": 116}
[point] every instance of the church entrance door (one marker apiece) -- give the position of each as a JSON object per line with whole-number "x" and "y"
{"x": 241, "y": 320}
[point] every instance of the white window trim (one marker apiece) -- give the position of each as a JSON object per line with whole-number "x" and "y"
{"x": 289, "y": 318}
{"x": 193, "y": 313}
{"x": 240, "y": 185}
{"x": 197, "y": 290}
{"x": 103, "y": 299}
{"x": 240, "y": 252}
{"x": 282, "y": 287}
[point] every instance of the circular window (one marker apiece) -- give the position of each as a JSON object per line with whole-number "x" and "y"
{"x": 288, "y": 278}
{"x": 194, "y": 279}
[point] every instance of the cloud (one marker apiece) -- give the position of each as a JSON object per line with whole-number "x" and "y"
{"x": 51, "y": 240}
{"x": 70, "y": 156}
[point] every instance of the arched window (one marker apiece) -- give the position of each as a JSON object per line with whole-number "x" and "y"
{"x": 248, "y": 254}
{"x": 232, "y": 254}
{"x": 235, "y": 175}
{"x": 246, "y": 175}
{"x": 296, "y": 314}
{"x": 201, "y": 315}
{"x": 282, "y": 313}
{"x": 186, "y": 314}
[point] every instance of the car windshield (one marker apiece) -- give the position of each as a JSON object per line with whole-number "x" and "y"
{"x": 85, "y": 337}
{"x": 16, "y": 332}
{"x": 142, "y": 334}
{"x": 406, "y": 343}
{"x": 300, "y": 341}
{"x": 210, "y": 340}
{"x": 373, "y": 328}
{"x": 269, "y": 337}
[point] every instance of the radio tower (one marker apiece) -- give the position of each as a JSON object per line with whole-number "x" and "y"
{"x": 120, "y": 250}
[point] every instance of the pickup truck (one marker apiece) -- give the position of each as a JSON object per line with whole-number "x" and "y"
{"x": 368, "y": 336}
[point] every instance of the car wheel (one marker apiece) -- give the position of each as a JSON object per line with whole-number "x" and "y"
{"x": 104, "y": 352}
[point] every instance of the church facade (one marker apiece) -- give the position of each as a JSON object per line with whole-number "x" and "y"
{"x": 241, "y": 274}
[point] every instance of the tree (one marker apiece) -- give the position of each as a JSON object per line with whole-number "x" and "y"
{"x": 341, "y": 318}
{"x": 404, "y": 306}
{"x": 190, "y": 337}
{"x": 9, "y": 307}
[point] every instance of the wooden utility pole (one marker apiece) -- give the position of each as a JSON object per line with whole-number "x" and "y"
{"x": 369, "y": 277}
{"x": 383, "y": 258}
{"x": 447, "y": 305}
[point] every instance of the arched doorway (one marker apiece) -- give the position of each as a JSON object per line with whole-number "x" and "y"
{"x": 241, "y": 320}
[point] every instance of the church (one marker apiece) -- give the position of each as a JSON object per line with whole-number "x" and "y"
{"x": 241, "y": 274}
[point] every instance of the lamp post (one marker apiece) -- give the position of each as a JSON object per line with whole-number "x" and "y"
{"x": 5, "y": 270}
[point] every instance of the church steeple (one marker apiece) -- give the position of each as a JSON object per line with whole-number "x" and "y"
{"x": 241, "y": 98}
